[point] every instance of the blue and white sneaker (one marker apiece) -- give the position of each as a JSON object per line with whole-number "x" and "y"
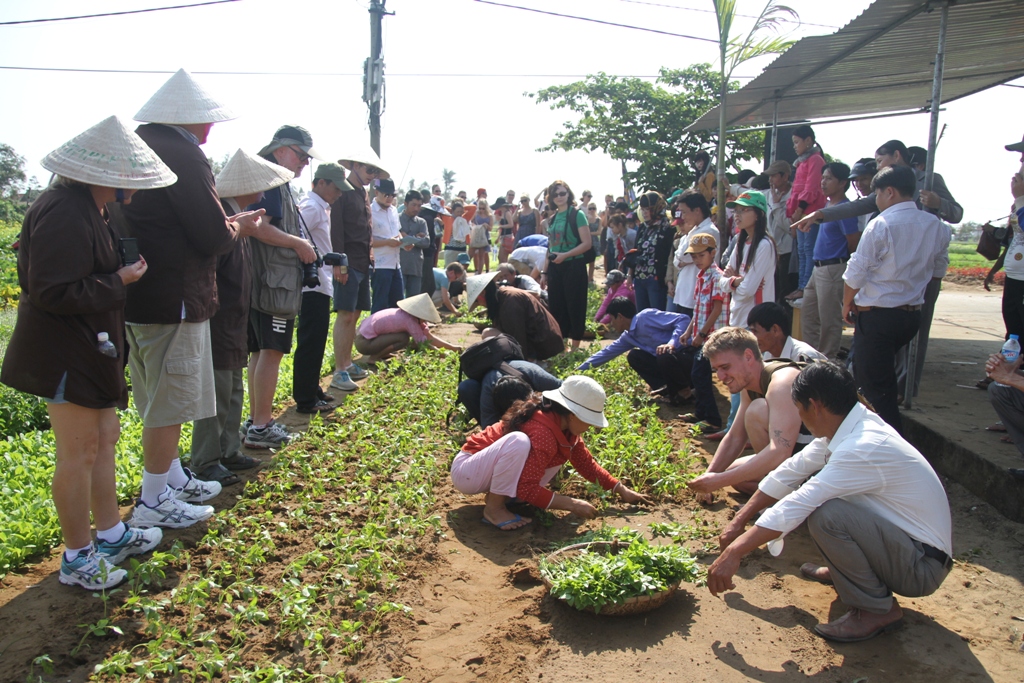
{"x": 197, "y": 490}
{"x": 90, "y": 571}
{"x": 133, "y": 542}
{"x": 342, "y": 381}
{"x": 169, "y": 513}
{"x": 356, "y": 372}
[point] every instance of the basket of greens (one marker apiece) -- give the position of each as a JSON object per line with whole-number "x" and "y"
{"x": 616, "y": 578}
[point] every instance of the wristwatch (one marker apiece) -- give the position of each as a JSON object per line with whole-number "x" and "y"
{"x": 343, "y": 270}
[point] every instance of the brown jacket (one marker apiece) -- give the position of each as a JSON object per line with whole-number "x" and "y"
{"x": 522, "y": 316}
{"x": 350, "y": 227}
{"x": 70, "y": 292}
{"x": 229, "y": 326}
{"x": 181, "y": 231}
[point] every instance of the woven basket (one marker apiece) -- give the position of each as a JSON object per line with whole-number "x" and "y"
{"x": 637, "y": 605}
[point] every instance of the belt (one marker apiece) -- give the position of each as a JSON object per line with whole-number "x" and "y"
{"x": 936, "y": 554}
{"x": 449, "y": 247}
{"x": 861, "y": 309}
{"x": 831, "y": 261}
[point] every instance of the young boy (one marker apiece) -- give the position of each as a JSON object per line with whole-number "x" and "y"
{"x": 460, "y": 235}
{"x": 710, "y": 312}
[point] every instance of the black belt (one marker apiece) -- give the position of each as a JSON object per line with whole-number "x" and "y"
{"x": 831, "y": 261}
{"x": 936, "y": 554}
{"x": 449, "y": 247}
{"x": 908, "y": 307}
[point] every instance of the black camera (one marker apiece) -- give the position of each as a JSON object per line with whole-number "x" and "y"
{"x": 311, "y": 271}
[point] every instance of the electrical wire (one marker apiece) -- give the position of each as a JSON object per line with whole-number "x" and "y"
{"x": 599, "y": 21}
{"x": 711, "y": 11}
{"x": 115, "y": 14}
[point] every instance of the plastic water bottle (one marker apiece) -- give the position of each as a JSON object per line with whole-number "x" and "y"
{"x": 1011, "y": 349}
{"x": 107, "y": 348}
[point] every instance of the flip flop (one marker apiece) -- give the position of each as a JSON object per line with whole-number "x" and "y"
{"x": 1006, "y": 439}
{"x": 502, "y": 525}
{"x": 997, "y": 427}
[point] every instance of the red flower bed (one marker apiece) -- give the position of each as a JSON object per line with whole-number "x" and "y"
{"x": 973, "y": 273}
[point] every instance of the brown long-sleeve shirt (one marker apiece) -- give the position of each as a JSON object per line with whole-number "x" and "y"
{"x": 350, "y": 227}
{"x": 522, "y": 316}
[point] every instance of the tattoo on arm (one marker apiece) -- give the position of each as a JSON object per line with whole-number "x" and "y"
{"x": 784, "y": 442}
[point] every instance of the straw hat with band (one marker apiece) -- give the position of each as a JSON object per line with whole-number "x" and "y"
{"x": 245, "y": 174}
{"x": 476, "y": 285}
{"x": 750, "y": 198}
{"x": 420, "y": 306}
{"x": 334, "y": 173}
{"x": 367, "y": 158}
{"x": 110, "y": 155}
{"x": 583, "y": 397}
{"x": 182, "y": 101}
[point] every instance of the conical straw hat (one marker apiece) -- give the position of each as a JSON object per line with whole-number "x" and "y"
{"x": 420, "y": 306}
{"x": 246, "y": 174}
{"x": 182, "y": 101}
{"x": 476, "y": 285}
{"x": 110, "y": 155}
{"x": 364, "y": 156}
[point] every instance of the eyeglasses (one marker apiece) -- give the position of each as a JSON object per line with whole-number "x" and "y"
{"x": 303, "y": 157}
{"x": 372, "y": 170}
{"x": 560, "y": 194}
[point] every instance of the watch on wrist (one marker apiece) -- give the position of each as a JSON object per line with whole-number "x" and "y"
{"x": 343, "y": 270}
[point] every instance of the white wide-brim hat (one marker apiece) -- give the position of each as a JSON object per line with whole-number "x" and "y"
{"x": 246, "y": 174}
{"x": 583, "y": 397}
{"x": 367, "y": 157}
{"x": 420, "y": 306}
{"x": 182, "y": 101}
{"x": 477, "y": 284}
{"x": 110, "y": 155}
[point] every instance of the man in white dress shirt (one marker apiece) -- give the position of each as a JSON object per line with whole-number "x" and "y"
{"x": 900, "y": 252}
{"x": 386, "y": 282}
{"x": 874, "y": 507}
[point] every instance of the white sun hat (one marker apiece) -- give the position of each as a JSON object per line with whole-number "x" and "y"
{"x": 246, "y": 174}
{"x": 420, "y": 306}
{"x": 367, "y": 157}
{"x": 110, "y": 155}
{"x": 182, "y": 101}
{"x": 476, "y": 285}
{"x": 583, "y": 397}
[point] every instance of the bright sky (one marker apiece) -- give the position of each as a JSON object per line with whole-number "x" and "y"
{"x": 476, "y": 122}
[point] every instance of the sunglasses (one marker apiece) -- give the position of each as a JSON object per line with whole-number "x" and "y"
{"x": 372, "y": 170}
{"x": 303, "y": 157}
{"x": 560, "y": 194}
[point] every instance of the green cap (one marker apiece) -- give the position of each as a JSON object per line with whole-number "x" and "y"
{"x": 333, "y": 172}
{"x": 750, "y": 198}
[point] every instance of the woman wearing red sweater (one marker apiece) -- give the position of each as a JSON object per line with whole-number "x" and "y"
{"x": 519, "y": 456}
{"x": 805, "y": 198}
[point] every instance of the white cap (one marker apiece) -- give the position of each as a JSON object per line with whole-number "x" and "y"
{"x": 182, "y": 101}
{"x": 246, "y": 174}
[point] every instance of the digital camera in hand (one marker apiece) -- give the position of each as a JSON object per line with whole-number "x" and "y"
{"x": 311, "y": 271}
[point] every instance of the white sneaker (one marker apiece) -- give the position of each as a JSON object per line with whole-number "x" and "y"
{"x": 133, "y": 542}
{"x": 90, "y": 571}
{"x": 197, "y": 490}
{"x": 271, "y": 436}
{"x": 170, "y": 513}
{"x": 342, "y": 381}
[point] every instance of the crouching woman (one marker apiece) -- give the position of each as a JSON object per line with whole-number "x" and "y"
{"x": 391, "y": 329}
{"x": 519, "y": 456}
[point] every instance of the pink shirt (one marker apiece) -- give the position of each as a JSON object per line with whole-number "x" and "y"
{"x": 392, "y": 320}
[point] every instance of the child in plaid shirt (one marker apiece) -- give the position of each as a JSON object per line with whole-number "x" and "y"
{"x": 710, "y": 312}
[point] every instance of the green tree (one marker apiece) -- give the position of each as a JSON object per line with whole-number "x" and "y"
{"x": 12, "y": 171}
{"x": 448, "y": 180}
{"x": 634, "y": 120}
{"x": 732, "y": 51}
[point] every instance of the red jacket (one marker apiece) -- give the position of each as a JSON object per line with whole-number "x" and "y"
{"x": 807, "y": 185}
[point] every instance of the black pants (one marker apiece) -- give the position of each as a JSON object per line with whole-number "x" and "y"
{"x": 670, "y": 370}
{"x": 1013, "y": 307}
{"x": 785, "y": 282}
{"x": 567, "y": 296}
{"x": 428, "y": 284}
{"x": 880, "y": 333}
{"x": 314, "y": 325}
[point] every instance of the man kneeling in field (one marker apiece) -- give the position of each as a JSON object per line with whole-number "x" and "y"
{"x": 875, "y": 509}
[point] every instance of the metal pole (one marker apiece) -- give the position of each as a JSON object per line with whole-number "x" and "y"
{"x": 929, "y": 177}
{"x": 775, "y": 130}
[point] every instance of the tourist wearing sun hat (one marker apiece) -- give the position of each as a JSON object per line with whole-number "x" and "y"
{"x": 216, "y": 444}
{"x": 68, "y": 341}
{"x": 391, "y": 329}
{"x": 181, "y": 229}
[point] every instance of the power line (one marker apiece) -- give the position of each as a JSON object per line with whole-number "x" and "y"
{"x": 115, "y": 14}
{"x": 711, "y": 11}
{"x": 599, "y": 21}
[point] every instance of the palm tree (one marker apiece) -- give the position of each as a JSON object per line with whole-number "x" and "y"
{"x": 733, "y": 52}
{"x": 448, "y": 178}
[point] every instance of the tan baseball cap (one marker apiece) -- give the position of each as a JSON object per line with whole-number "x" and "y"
{"x": 701, "y": 243}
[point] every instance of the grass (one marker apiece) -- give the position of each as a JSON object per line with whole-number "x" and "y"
{"x": 9, "y": 289}
{"x": 965, "y": 255}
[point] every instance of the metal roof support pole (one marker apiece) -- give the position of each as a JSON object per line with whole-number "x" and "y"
{"x": 929, "y": 175}
{"x": 775, "y": 130}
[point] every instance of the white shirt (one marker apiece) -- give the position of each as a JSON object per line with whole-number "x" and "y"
{"x": 460, "y": 232}
{"x": 686, "y": 279}
{"x": 531, "y": 256}
{"x": 316, "y": 223}
{"x": 794, "y": 349}
{"x": 758, "y": 283}
{"x": 1013, "y": 263}
{"x": 866, "y": 463}
{"x": 385, "y": 225}
{"x": 899, "y": 253}
{"x": 778, "y": 224}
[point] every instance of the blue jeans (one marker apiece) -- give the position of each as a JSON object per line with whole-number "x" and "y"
{"x": 734, "y": 406}
{"x": 413, "y": 284}
{"x": 805, "y": 251}
{"x": 478, "y": 396}
{"x": 706, "y": 407}
{"x": 387, "y": 288}
{"x": 650, "y": 293}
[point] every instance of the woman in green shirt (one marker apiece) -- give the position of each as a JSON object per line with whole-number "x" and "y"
{"x": 566, "y": 273}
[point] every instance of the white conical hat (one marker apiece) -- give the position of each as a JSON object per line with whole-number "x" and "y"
{"x": 246, "y": 174}
{"x": 476, "y": 285}
{"x": 110, "y": 155}
{"x": 420, "y": 306}
{"x": 182, "y": 101}
{"x": 364, "y": 156}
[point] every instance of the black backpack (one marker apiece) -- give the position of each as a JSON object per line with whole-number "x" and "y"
{"x": 490, "y": 354}
{"x": 570, "y": 220}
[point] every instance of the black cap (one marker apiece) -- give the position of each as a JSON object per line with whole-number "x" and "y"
{"x": 386, "y": 186}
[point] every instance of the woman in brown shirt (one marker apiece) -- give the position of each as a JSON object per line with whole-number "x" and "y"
{"x": 68, "y": 342}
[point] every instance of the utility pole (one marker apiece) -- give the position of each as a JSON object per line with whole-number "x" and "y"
{"x": 373, "y": 72}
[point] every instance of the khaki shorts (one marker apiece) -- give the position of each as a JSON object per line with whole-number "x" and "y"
{"x": 172, "y": 373}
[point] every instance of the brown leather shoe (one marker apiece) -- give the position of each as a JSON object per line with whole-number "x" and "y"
{"x": 816, "y": 573}
{"x": 857, "y": 625}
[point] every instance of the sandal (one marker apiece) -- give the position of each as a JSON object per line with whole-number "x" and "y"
{"x": 239, "y": 461}
{"x": 320, "y": 406}
{"x": 997, "y": 427}
{"x": 502, "y": 525}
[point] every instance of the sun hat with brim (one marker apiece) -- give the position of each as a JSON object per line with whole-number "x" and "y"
{"x": 501, "y": 203}
{"x": 1016, "y": 147}
{"x": 750, "y": 198}
{"x": 334, "y": 173}
{"x": 292, "y": 136}
{"x": 420, "y": 306}
{"x": 366, "y": 157}
{"x": 476, "y": 285}
{"x": 182, "y": 101}
{"x": 246, "y": 174}
{"x": 583, "y": 397}
{"x": 437, "y": 207}
{"x": 614, "y": 276}
{"x": 110, "y": 155}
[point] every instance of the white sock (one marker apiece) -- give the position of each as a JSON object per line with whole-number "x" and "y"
{"x": 113, "y": 534}
{"x": 153, "y": 487}
{"x": 70, "y": 554}
{"x": 176, "y": 477}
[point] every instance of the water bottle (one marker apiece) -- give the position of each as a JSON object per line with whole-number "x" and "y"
{"x": 107, "y": 348}
{"x": 1011, "y": 349}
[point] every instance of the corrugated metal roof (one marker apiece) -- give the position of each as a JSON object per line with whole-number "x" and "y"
{"x": 882, "y": 61}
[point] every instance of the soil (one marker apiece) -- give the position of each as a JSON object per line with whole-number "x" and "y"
{"x": 479, "y": 611}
